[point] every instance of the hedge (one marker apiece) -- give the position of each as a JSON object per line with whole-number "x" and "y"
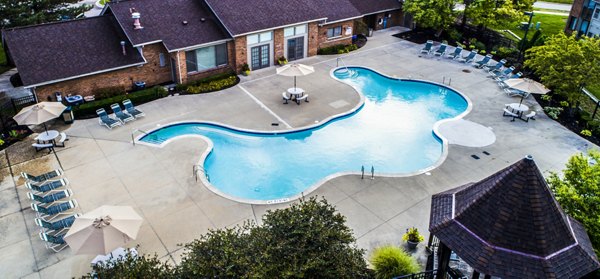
{"x": 204, "y": 81}
{"x": 337, "y": 49}
{"x": 214, "y": 85}
{"x": 88, "y": 109}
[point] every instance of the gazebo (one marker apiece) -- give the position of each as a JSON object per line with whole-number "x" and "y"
{"x": 509, "y": 225}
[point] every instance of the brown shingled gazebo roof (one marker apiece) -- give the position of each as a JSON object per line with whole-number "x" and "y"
{"x": 509, "y": 225}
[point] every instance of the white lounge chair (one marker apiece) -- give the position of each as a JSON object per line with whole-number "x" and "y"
{"x": 427, "y": 48}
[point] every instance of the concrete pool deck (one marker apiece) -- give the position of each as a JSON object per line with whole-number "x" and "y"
{"x": 104, "y": 167}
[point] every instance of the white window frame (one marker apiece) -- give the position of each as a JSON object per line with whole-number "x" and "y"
{"x": 334, "y": 36}
{"x": 295, "y": 32}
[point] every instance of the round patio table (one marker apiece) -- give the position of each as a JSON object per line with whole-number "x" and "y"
{"x": 519, "y": 107}
{"x": 47, "y": 136}
{"x": 295, "y": 92}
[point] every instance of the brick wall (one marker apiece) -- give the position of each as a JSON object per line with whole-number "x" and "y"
{"x": 313, "y": 39}
{"x": 323, "y": 41}
{"x": 395, "y": 20}
{"x": 151, "y": 73}
{"x": 240, "y": 49}
{"x": 278, "y": 41}
{"x": 576, "y": 10}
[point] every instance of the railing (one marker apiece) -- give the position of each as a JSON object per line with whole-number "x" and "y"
{"x": 199, "y": 169}
{"x": 22, "y": 102}
{"x": 337, "y": 63}
{"x": 590, "y": 104}
{"x": 133, "y": 135}
{"x": 429, "y": 274}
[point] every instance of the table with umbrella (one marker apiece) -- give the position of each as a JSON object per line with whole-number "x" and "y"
{"x": 295, "y": 70}
{"x": 526, "y": 85}
{"x": 103, "y": 229}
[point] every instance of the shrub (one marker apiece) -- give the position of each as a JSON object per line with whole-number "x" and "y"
{"x": 586, "y": 133}
{"x": 504, "y": 52}
{"x": 108, "y": 92}
{"x": 213, "y": 85}
{"x": 390, "y": 261}
{"x": 88, "y": 109}
{"x": 564, "y": 104}
{"x": 553, "y": 112}
{"x": 337, "y": 49}
{"x": 412, "y": 235}
{"x": 480, "y": 45}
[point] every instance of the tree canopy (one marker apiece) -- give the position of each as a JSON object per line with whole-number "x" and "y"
{"x": 15, "y": 13}
{"x": 436, "y": 14}
{"x": 307, "y": 240}
{"x": 578, "y": 192}
{"x": 564, "y": 63}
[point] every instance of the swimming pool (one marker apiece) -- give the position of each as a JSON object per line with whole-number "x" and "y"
{"x": 391, "y": 132}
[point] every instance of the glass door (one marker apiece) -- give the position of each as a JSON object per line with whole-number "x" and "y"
{"x": 295, "y": 49}
{"x": 259, "y": 57}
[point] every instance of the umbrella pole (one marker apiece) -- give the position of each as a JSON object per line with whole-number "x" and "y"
{"x": 294, "y": 83}
{"x": 46, "y": 128}
{"x": 55, "y": 155}
{"x": 521, "y": 100}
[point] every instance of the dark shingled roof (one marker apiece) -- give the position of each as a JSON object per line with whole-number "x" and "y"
{"x": 61, "y": 50}
{"x": 245, "y": 16}
{"x": 366, "y": 7}
{"x": 163, "y": 21}
{"x": 335, "y": 10}
{"x": 509, "y": 225}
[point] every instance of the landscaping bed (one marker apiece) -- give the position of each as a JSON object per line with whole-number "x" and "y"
{"x": 88, "y": 109}
{"x": 209, "y": 84}
{"x": 358, "y": 41}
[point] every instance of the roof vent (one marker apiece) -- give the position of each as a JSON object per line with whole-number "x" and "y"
{"x": 135, "y": 15}
{"x": 202, "y": 19}
{"x": 123, "y": 47}
{"x": 185, "y": 22}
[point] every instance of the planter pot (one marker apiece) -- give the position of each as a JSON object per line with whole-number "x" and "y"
{"x": 412, "y": 245}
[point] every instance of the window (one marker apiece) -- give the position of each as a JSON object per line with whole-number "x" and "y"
{"x": 259, "y": 38}
{"x": 596, "y": 11}
{"x": 161, "y": 59}
{"x": 294, "y": 30}
{"x": 334, "y": 32}
{"x": 206, "y": 58}
{"x": 572, "y": 23}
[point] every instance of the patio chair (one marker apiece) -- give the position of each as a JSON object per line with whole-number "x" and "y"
{"x": 41, "y": 146}
{"x": 479, "y": 64}
{"x": 509, "y": 113}
{"x": 427, "y": 48}
{"x": 42, "y": 177}
{"x": 441, "y": 50}
{"x": 57, "y": 225}
{"x": 495, "y": 67}
{"x": 503, "y": 78}
{"x": 48, "y": 185}
{"x": 455, "y": 54}
{"x": 54, "y": 241}
{"x": 516, "y": 93}
{"x": 132, "y": 110}
{"x": 51, "y": 197}
{"x": 469, "y": 58}
{"x": 53, "y": 210}
{"x": 122, "y": 116}
{"x": 504, "y": 72}
{"x": 106, "y": 120}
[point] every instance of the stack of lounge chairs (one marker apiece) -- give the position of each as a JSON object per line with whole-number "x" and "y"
{"x": 120, "y": 116}
{"x": 51, "y": 200}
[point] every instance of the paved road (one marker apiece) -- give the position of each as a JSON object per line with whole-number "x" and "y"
{"x": 552, "y": 6}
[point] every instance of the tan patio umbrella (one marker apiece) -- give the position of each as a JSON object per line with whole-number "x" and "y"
{"x": 527, "y": 85}
{"x": 103, "y": 229}
{"x": 294, "y": 70}
{"x": 39, "y": 113}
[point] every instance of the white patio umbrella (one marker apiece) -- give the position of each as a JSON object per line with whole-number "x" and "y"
{"x": 39, "y": 113}
{"x": 103, "y": 229}
{"x": 294, "y": 70}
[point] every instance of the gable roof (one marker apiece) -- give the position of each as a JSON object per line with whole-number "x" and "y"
{"x": 164, "y": 21}
{"x": 509, "y": 224}
{"x": 366, "y": 7}
{"x": 335, "y": 10}
{"x": 244, "y": 16}
{"x": 57, "y": 51}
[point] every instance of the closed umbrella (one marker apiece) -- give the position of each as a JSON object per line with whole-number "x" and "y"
{"x": 294, "y": 70}
{"x": 527, "y": 85}
{"x": 39, "y": 113}
{"x": 103, "y": 229}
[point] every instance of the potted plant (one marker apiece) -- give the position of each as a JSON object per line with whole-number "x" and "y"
{"x": 412, "y": 237}
{"x": 282, "y": 61}
{"x": 245, "y": 69}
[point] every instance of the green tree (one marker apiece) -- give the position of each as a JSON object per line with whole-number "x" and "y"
{"x": 307, "y": 240}
{"x": 436, "y": 14}
{"x": 565, "y": 63}
{"x": 130, "y": 267}
{"x": 15, "y": 13}
{"x": 391, "y": 261}
{"x": 578, "y": 192}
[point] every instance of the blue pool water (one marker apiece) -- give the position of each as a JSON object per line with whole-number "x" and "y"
{"x": 392, "y": 132}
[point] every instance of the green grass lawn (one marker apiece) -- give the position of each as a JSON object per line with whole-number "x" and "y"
{"x": 594, "y": 89}
{"x": 550, "y": 25}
